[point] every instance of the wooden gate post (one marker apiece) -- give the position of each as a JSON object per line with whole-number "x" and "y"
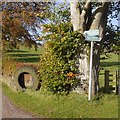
{"x": 116, "y": 90}
{"x": 106, "y": 83}
{"x": 118, "y": 82}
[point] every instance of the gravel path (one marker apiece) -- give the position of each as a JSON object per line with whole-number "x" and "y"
{"x": 11, "y": 111}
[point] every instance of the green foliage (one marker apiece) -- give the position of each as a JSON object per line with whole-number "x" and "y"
{"x": 116, "y": 43}
{"x": 60, "y": 12}
{"x": 112, "y": 40}
{"x": 58, "y": 70}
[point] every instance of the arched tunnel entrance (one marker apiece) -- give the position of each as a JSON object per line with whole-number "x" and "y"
{"x": 26, "y": 77}
{"x": 25, "y": 80}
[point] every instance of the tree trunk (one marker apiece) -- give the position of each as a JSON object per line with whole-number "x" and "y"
{"x": 84, "y": 20}
{"x": 78, "y": 20}
{"x": 75, "y": 14}
{"x": 99, "y": 22}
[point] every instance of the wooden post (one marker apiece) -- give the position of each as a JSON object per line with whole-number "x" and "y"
{"x": 106, "y": 83}
{"x": 118, "y": 81}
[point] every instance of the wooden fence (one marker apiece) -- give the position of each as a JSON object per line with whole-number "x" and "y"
{"x": 109, "y": 87}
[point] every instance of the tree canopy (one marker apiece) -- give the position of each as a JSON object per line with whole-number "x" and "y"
{"x": 20, "y": 19}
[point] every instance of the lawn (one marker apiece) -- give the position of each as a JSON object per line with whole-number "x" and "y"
{"x": 74, "y": 105}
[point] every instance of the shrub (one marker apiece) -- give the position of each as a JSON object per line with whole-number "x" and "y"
{"x": 58, "y": 70}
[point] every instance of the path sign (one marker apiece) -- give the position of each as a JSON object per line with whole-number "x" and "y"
{"x": 92, "y": 35}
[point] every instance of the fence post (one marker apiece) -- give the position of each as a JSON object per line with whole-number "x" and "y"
{"x": 106, "y": 83}
{"x": 118, "y": 82}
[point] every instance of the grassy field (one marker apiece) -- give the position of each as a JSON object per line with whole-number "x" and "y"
{"x": 26, "y": 55}
{"x": 74, "y": 105}
{"x": 111, "y": 63}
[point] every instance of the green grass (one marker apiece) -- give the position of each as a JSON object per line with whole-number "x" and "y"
{"x": 112, "y": 64}
{"x": 74, "y": 105}
{"x": 26, "y": 55}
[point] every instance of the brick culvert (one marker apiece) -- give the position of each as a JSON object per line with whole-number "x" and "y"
{"x": 26, "y": 77}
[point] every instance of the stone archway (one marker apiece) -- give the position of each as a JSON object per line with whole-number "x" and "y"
{"x": 26, "y": 77}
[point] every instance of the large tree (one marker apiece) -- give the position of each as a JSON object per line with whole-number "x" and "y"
{"x": 88, "y": 16}
{"x": 84, "y": 16}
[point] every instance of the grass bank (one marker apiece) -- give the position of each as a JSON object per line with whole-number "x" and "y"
{"x": 74, "y": 105}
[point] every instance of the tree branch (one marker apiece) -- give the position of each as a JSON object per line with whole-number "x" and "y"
{"x": 75, "y": 14}
{"x": 84, "y": 15}
{"x": 98, "y": 15}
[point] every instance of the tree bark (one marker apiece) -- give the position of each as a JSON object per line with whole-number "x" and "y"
{"x": 83, "y": 20}
{"x": 78, "y": 19}
{"x": 86, "y": 13}
{"x": 75, "y": 14}
{"x": 99, "y": 22}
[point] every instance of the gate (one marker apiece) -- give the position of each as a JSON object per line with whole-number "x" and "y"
{"x": 107, "y": 81}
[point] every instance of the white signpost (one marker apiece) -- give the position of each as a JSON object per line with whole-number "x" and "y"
{"x": 91, "y": 35}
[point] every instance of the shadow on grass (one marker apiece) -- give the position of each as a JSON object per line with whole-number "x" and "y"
{"x": 109, "y": 91}
{"x": 24, "y": 55}
{"x": 104, "y": 58}
{"x": 108, "y": 64}
{"x": 28, "y": 60}
{"x": 16, "y": 51}
{"x": 101, "y": 73}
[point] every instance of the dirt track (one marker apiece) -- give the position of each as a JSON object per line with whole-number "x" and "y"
{"x": 11, "y": 111}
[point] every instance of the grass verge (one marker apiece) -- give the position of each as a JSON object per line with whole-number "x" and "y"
{"x": 73, "y": 105}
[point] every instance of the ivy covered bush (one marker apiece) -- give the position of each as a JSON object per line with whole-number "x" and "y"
{"x": 58, "y": 70}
